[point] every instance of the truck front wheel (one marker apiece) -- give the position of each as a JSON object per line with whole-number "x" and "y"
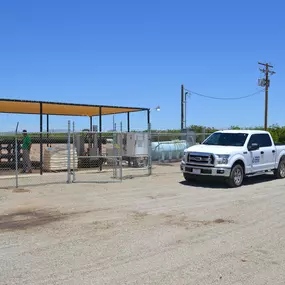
{"x": 236, "y": 176}
{"x": 188, "y": 177}
{"x": 280, "y": 171}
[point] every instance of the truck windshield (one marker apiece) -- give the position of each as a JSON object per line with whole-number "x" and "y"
{"x": 226, "y": 139}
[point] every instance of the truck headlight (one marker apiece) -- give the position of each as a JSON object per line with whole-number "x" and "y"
{"x": 222, "y": 158}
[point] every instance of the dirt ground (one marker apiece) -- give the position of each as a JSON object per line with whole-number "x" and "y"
{"x": 150, "y": 230}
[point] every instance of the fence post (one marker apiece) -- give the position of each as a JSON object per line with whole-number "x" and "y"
{"x": 115, "y": 156}
{"x": 16, "y": 157}
{"x": 158, "y": 148}
{"x": 149, "y": 150}
{"x": 73, "y": 151}
{"x": 16, "y": 161}
{"x": 120, "y": 152}
{"x": 68, "y": 153}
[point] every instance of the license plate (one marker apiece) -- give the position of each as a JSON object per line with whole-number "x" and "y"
{"x": 196, "y": 171}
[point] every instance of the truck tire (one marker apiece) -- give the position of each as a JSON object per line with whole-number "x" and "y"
{"x": 236, "y": 176}
{"x": 188, "y": 177}
{"x": 279, "y": 173}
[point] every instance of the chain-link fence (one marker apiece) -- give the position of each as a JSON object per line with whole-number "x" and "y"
{"x": 8, "y": 149}
{"x": 167, "y": 149}
{"x": 95, "y": 157}
{"x": 33, "y": 158}
{"x": 109, "y": 156}
{"x": 84, "y": 156}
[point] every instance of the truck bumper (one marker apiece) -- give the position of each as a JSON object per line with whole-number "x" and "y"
{"x": 205, "y": 171}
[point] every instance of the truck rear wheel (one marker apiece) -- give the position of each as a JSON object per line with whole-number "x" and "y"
{"x": 279, "y": 173}
{"x": 236, "y": 176}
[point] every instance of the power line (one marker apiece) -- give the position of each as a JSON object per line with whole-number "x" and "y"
{"x": 223, "y": 98}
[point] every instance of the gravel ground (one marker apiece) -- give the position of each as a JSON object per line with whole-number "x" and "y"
{"x": 149, "y": 230}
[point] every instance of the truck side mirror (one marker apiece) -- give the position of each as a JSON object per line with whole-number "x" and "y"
{"x": 253, "y": 146}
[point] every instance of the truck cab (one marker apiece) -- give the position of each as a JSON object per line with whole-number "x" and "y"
{"x": 233, "y": 155}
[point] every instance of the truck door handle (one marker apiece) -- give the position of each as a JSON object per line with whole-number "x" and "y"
{"x": 273, "y": 151}
{"x": 262, "y": 152}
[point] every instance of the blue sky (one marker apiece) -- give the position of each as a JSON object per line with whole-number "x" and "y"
{"x": 138, "y": 53}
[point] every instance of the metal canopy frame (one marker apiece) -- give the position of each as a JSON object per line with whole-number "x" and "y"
{"x": 29, "y": 107}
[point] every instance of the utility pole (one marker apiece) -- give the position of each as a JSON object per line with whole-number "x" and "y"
{"x": 182, "y": 107}
{"x": 185, "y": 109}
{"x": 266, "y": 84}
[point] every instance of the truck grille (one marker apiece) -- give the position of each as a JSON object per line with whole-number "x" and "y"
{"x": 202, "y": 159}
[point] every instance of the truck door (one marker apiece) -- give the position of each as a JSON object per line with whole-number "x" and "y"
{"x": 256, "y": 156}
{"x": 267, "y": 149}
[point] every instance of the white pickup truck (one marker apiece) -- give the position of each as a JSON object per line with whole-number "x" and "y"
{"x": 234, "y": 154}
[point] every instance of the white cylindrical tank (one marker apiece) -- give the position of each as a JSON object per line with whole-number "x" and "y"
{"x": 168, "y": 150}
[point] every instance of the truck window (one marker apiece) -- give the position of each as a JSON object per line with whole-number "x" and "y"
{"x": 226, "y": 139}
{"x": 263, "y": 140}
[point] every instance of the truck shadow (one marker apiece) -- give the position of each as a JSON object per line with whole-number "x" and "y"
{"x": 219, "y": 184}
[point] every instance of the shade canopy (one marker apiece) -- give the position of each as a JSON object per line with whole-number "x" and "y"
{"x": 63, "y": 109}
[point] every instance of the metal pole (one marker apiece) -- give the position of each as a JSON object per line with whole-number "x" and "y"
{"x": 128, "y": 121}
{"x": 41, "y": 138}
{"x": 114, "y": 147}
{"x": 100, "y": 136}
{"x": 73, "y": 153}
{"x": 90, "y": 135}
{"x": 47, "y": 127}
{"x": 68, "y": 153}
{"x": 158, "y": 143}
{"x": 91, "y": 123}
{"x": 182, "y": 107}
{"x": 149, "y": 143}
{"x": 121, "y": 168}
{"x": 128, "y": 130}
{"x": 121, "y": 159}
{"x": 16, "y": 156}
{"x": 185, "y": 116}
{"x": 114, "y": 128}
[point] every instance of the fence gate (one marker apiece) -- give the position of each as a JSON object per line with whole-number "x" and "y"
{"x": 95, "y": 158}
{"x": 108, "y": 157}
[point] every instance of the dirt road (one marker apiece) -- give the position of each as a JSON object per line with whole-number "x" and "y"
{"x": 153, "y": 230}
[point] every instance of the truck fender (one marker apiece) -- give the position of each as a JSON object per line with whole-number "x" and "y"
{"x": 235, "y": 158}
{"x": 281, "y": 154}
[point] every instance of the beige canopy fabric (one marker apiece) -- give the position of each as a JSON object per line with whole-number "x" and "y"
{"x": 63, "y": 109}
